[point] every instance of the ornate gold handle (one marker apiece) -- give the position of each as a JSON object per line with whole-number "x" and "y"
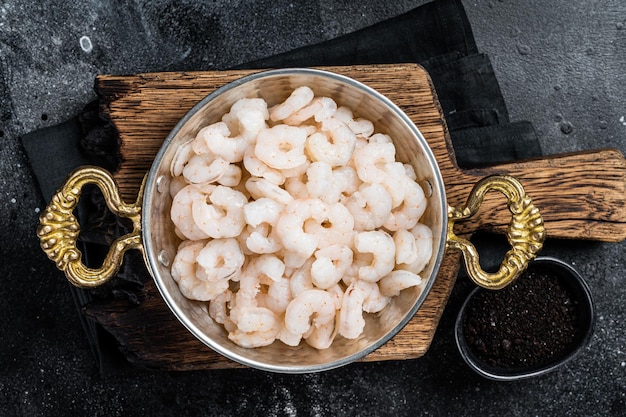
{"x": 525, "y": 232}
{"x": 58, "y": 228}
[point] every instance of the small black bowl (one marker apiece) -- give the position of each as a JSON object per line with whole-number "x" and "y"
{"x": 569, "y": 279}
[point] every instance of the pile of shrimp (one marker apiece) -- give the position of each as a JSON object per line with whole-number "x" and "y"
{"x": 295, "y": 221}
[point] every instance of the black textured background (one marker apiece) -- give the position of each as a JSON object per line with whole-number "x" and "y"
{"x": 561, "y": 65}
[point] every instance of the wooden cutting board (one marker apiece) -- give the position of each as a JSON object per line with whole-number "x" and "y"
{"x": 580, "y": 196}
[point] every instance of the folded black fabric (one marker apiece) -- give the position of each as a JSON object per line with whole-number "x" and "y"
{"x": 436, "y": 35}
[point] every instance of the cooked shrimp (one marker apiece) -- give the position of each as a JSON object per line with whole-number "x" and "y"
{"x": 334, "y": 144}
{"x": 181, "y": 158}
{"x": 330, "y": 264}
{"x": 290, "y": 226}
{"x": 322, "y": 336}
{"x": 223, "y": 216}
{"x": 380, "y": 245}
{"x": 370, "y": 160}
{"x": 299, "y": 98}
{"x": 296, "y": 186}
{"x": 410, "y": 211}
{"x": 262, "y": 239}
{"x": 204, "y": 168}
{"x": 410, "y": 172}
{"x": 263, "y": 210}
{"x": 270, "y": 266}
{"x": 247, "y": 117}
{"x": 398, "y": 280}
{"x": 278, "y": 296}
{"x": 231, "y": 177}
{"x": 346, "y": 182}
{"x": 181, "y": 212}
{"x": 301, "y": 278}
{"x": 281, "y": 147}
{"x": 351, "y": 322}
{"x": 256, "y": 327}
{"x": 406, "y": 249}
{"x": 219, "y": 142}
{"x": 361, "y": 127}
{"x": 337, "y": 227}
{"x": 319, "y": 179}
{"x": 370, "y": 206}
{"x": 374, "y": 300}
{"x": 185, "y": 272}
{"x": 260, "y": 187}
{"x": 309, "y": 308}
{"x": 218, "y": 307}
{"x": 221, "y": 258}
{"x": 262, "y": 215}
{"x": 177, "y": 184}
{"x": 393, "y": 181}
{"x": 258, "y": 168}
{"x": 380, "y": 138}
{"x": 423, "y": 236}
{"x": 319, "y": 109}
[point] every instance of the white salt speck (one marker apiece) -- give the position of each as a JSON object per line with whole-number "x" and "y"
{"x": 622, "y": 121}
{"x": 623, "y": 364}
{"x": 13, "y": 201}
{"x": 85, "y": 44}
{"x": 37, "y": 210}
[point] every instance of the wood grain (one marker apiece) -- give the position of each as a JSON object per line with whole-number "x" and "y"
{"x": 580, "y": 196}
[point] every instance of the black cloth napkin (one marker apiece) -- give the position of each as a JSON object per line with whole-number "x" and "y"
{"x": 437, "y": 35}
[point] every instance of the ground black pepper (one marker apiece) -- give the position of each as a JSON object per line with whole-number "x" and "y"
{"x": 528, "y": 323}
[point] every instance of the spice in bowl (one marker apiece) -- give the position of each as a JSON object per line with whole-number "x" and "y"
{"x": 530, "y": 327}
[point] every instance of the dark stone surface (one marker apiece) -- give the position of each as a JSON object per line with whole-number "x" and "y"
{"x": 560, "y": 65}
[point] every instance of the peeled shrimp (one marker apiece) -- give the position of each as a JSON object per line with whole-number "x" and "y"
{"x": 263, "y": 210}
{"x": 256, "y": 327}
{"x": 330, "y": 264}
{"x": 370, "y": 160}
{"x": 281, "y": 147}
{"x": 336, "y": 227}
{"x": 406, "y": 249}
{"x": 410, "y": 211}
{"x": 218, "y": 307}
{"x": 423, "y": 236}
{"x": 334, "y": 145}
{"x": 319, "y": 109}
{"x": 262, "y": 239}
{"x": 374, "y": 301}
{"x": 258, "y": 168}
{"x": 204, "y": 168}
{"x": 351, "y": 322}
{"x": 181, "y": 212}
{"x": 185, "y": 272}
{"x": 361, "y": 127}
{"x": 278, "y": 295}
{"x": 301, "y": 279}
{"x": 322, "y": 335}
{"x": 261, "y": 215}
{"x": 260, "y": 187}
{"x": 299, "y": 98}
{"x": 223, "y": 217}
{"x": 380, "y": 245}
{"x": 231, "y": 176}
{"x": 290, "y": 226}
{"x": 398, "y": 280}
{"x": 220, "y": 258}
{"x": 370, "y": 206}
{"x": 309, "y": 308}
{"x": 393, "y": 180}
{"x": 181, "y": 158}
{"x": 216, "y": 138}
{"x": 247, "y": 117}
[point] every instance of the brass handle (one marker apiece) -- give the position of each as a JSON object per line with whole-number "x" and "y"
{"x": 525, "y": 232}
{"x": 58, "y": 228}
